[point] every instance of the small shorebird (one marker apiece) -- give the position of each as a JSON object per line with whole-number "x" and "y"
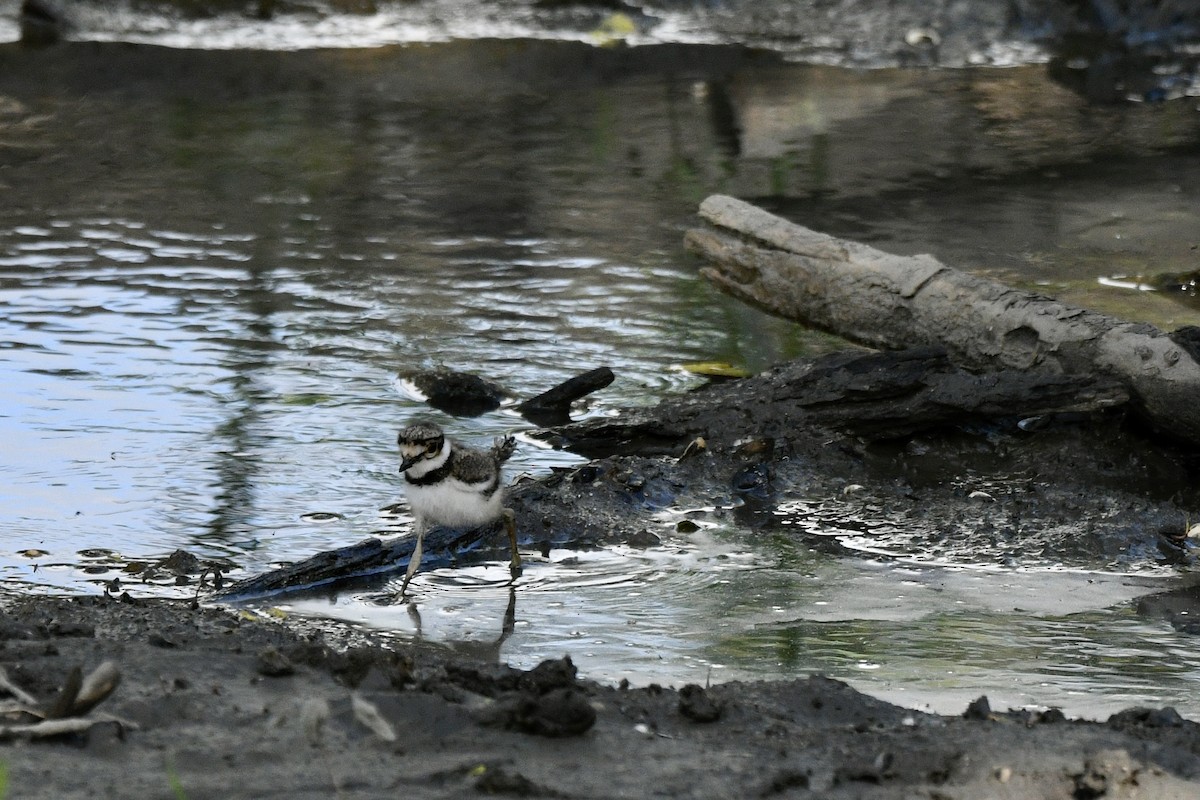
{"x": 451, "y": 484}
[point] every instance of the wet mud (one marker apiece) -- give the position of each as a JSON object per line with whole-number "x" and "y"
{"x": 206, "y": 694}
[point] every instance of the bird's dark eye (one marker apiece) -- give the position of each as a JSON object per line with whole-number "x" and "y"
{"x": 432, "y": 447}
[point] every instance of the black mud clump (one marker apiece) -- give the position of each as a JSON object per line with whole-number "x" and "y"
{"x": 324, "y": 711}
{"x": 557, "y": 713}
{"x": 545, "y": 701}
{"x": 696, "y": 705}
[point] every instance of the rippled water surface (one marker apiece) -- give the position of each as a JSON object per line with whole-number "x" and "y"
{"x": 214, "y": 266}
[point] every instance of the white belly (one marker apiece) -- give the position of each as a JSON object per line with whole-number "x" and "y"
{"x": 451, "y": 502}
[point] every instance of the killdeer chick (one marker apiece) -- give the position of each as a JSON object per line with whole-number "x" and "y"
{"x": 451, "y": 484}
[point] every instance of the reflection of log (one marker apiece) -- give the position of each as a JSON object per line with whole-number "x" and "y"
{"x": 888, "y": 301}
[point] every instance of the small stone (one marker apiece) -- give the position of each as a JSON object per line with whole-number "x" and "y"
{"x": 644, "y": 538}
{"x": 181, "y": 563}
{"x": 979, "y": 708}
{"x": 1051, "y": 716}
{"x": 72, "y": 629}
{"x": 1166, "y": 717}
{"x": 696, "y": 705}
{"x": 273, "y": 664}
{"x": 502, "y": 780}
{"x": 553, "y": 673}
{"x": 156, "y": 639}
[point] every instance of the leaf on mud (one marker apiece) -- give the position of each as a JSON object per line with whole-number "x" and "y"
{"x": 716, "y": 369}
{"x": 49, "y": 727}
{"x": 62, "y": 705}
{"x": 7, "y": 685}
{"x": 96, "y": 687}
{"x": 81, "y": 694}
{"x": 314, "y": 712}
{"x": 366, "y": 713}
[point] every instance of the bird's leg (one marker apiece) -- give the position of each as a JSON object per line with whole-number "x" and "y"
{"x": 510, "y": 525}
{"x": 414, "y": 560}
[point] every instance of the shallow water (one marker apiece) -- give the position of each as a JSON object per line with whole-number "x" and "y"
{"x": 214, "y": 266}
{"x": 713, "y": 608}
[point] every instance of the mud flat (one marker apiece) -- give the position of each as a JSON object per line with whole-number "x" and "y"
{"x": 212, "y": 703}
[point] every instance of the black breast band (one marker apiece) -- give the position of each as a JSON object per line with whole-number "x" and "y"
{"x": 434, "y": 476}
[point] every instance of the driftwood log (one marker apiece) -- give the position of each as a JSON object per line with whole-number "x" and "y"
{"x": 869, "y": 396}
{"x": 892, "y": 302}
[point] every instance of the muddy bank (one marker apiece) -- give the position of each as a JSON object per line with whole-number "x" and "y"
{"x": 1107, "y": 52}
{"x": 844, "y": 31}
{"x": 207, "y": 695}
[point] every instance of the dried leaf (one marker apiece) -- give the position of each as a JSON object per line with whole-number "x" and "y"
{"x": 62, "y": 705}
{"x": 366, "y": 713}
{"x": 96, "y": 687}
{"x": 314, "y": 712}
{"x": 48, "y": 727}
{"x": 7, "y": 685}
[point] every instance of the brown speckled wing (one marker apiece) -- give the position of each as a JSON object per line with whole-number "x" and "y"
{"x": 473, "y": 466}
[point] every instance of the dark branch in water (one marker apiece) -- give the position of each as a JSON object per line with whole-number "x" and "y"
{"x": 553, "y": 407}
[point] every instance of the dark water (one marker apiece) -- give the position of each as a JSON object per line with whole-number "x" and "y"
{"x": 213, "y": 265}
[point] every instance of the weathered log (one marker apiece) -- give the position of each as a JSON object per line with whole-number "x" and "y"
{"x": 371, "y": 561}
{"x": 872, "y": 396}
{"x": 893, "y": 302}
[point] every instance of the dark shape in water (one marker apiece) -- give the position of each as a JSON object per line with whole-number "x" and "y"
{"x": 1181, "y": 286}
{"x": 1187, "y": 337}
{"x": 553, "y": 407}
{"x": 42, "y": 22}
{"x": 320, "y": 517}
{"x": 1178, "y": 286}
{"x": 459, "y": 393}
{"x": 1129, "y": 51}
{"x": 1179, "y": 607}
{"x": 465, "y": 395}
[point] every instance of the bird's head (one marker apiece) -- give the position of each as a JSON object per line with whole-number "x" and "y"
{"x": 418, "y": 443}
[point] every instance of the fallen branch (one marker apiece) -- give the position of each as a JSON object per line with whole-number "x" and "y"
{"x": 893, "y": 302}
{"x": 553, "y": 407}
{"x": 872, "y": 396}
